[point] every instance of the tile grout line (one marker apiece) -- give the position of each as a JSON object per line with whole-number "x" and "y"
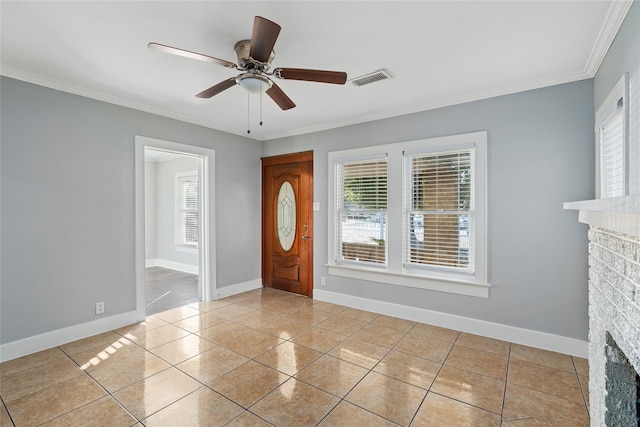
{"x": 172, "y": 365}
{"x": 584, "y": 395}
{"x": 108, "y": 394}
{"x": 111, "y": 395}
{"x": 326, "y": 353}
{"x": 290, "y": 377}
{"x": 370, "y": 370}
{"x": 7, "y": 411}
{"x": 506, "y": 379}
{"x": 434, "y": 379}
{"x": 341, "y": 399}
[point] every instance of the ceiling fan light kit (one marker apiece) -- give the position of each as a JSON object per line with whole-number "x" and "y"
{"x": 254, "y": 83}
{"x": 254, "y": 58}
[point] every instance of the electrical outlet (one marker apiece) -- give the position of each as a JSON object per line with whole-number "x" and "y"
{"x": 323, "y": 281}
{"x": 100, "y": 307}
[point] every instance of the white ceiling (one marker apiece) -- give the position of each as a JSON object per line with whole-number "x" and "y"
{"x": 440, "y": 53}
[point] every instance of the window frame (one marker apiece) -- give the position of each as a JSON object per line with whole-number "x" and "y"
{"x": 409, "y": 209}
{"x": 396, "y": 272}
{"x": 607, "y": 110}
{"x": 180, "y": 211}
{"x": 340, "y": 210}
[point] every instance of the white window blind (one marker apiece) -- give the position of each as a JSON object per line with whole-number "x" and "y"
{"x": 361, "y": 217}
{"x": 612, "y": 146}
{"x": 612, "y": 155}
{"x": 439, "y": 217}
{"x": 188, "y": 210}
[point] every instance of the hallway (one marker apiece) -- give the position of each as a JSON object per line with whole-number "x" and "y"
{"x": 167, "y": 289}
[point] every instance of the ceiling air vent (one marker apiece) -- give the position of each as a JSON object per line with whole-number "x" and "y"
{"x": 371, "y": 77}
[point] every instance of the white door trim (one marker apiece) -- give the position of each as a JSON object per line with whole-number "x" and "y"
{"x": 207, "y": 248}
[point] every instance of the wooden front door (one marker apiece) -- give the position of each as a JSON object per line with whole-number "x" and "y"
{"x": 287, "y": 222}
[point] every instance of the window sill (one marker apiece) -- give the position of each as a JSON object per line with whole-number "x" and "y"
{"x": 451, "y": 286}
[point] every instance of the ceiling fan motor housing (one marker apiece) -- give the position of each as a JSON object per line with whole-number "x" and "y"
{"x": 245, "y": 61}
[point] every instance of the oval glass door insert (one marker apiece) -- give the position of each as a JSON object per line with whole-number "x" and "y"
{"x": 286, "y": 216}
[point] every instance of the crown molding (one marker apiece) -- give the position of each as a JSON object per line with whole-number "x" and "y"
{"x": 612, "y": 23}
{"x": 441, "y": 103}
{"x": 101, "y": 96}
{"x": 447, "y": 102}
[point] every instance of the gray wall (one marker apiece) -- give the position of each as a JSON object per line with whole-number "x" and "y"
{"x": 540, "y": 154}
{"x": 624, "y": 57}
{"x": 67, "y": 176}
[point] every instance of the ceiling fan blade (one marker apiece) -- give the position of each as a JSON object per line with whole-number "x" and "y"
{"x": 189, "y": 54}
{"x": 280, "y": 97}
{"x": 263, "y": 39}
{"x": 335, "y": 77}
{"x": 216, "y": 89}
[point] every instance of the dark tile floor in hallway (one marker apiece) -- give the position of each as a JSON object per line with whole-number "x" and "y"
{"x": 167, "y": 289}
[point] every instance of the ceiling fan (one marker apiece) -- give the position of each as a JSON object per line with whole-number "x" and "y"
{"x": 254, "y": 60}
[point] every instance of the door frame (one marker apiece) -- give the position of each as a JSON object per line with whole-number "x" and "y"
{"x": 305, "y": 156}
{"x": 207, "y": 242}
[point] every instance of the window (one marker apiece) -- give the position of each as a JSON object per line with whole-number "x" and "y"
{"x": 361, "y": 211}
{"x": 439, "y": 211}
{"x": 187, "y": 227}
{"x": 411, "y": 214}
{"x": 611, "y": 141}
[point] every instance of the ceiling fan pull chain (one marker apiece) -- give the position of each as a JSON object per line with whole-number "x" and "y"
{"x": 260, "y": 108}
{"x": 248, "y": 113}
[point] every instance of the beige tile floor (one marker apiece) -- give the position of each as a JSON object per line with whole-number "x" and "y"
{"x": 267, "y": 357}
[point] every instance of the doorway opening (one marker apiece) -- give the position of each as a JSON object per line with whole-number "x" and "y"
{"x": 171, "y": 184}
{"x": 175, "y": 251}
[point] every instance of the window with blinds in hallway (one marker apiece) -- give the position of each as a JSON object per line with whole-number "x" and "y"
{"x": 439, "y": 218}
{"x": 361, "y": 211}
{"x": 187, "y": 213}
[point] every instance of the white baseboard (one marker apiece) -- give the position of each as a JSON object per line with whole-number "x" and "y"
{"x": 58, "y": 337}
{"x": 543, "y": 340}
{"x": 185, "y": 268}
{"x": 238, "y": 288}
{"x": 513, "y": 334}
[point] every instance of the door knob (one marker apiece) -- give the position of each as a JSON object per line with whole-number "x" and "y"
{"x": 305, "y": 237}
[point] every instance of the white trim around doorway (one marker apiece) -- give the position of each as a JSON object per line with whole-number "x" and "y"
{"x": 207, "y": 247}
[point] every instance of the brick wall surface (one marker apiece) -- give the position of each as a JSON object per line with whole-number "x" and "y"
{"x": 614, "y": 326}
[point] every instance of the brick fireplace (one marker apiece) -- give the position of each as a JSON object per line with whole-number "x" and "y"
{"x": 614, "y": 308}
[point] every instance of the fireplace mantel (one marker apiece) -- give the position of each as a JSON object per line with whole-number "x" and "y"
{"x": 619, "y": 214}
